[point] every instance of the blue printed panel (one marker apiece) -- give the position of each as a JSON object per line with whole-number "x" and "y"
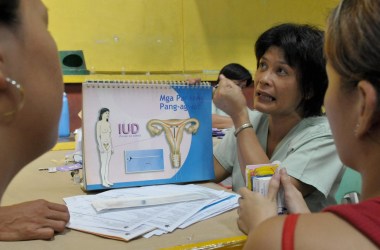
{"x": 138, "y": 161}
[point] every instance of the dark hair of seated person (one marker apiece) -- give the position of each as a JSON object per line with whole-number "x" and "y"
{"x": 235, "y": 71}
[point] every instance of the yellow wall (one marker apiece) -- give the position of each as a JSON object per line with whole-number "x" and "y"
{"x": 172, "y": 36}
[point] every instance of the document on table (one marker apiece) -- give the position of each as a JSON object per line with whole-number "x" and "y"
{"x": 128, "y": 213}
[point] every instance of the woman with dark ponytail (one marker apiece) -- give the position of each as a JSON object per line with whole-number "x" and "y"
{"x": 352, "y": 104}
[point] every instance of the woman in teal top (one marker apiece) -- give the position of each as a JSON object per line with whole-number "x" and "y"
{"x": 288, "y": 124}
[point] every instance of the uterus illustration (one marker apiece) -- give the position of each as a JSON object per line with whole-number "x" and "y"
{"x": 173, "y": 129}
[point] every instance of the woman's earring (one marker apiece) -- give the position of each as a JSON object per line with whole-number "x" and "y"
{"x": 13, "y": 106}
{"x": 356, "y": 129}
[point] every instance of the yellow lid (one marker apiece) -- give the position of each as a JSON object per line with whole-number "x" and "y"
{"x": 266, "y": 170}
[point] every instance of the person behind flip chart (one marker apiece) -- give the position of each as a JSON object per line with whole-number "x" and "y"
{"x": 241, "y": 77}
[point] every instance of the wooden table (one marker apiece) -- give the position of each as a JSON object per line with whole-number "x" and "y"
{"x": 32, "y": 184}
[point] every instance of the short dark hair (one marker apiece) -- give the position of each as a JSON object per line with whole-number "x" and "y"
{"x": 8, "y": 11}
{"x": 303, "y": 49}
{"x": 235, "y": 71}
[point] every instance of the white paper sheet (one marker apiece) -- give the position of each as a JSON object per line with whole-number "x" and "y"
{"x": 149, "y": 220}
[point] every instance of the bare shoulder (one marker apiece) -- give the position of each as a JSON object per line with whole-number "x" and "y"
{"x": 313, "y": 231}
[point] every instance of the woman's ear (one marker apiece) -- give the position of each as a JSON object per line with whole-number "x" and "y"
{"x": 368, "y": 107}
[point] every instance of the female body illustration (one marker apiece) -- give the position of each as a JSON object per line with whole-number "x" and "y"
{"x": 103, "y": 136}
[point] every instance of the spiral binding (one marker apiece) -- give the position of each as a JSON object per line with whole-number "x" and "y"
{"x": 142, "y": 84}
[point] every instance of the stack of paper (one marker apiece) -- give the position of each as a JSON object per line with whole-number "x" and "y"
{"x": 128, "y": 213}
